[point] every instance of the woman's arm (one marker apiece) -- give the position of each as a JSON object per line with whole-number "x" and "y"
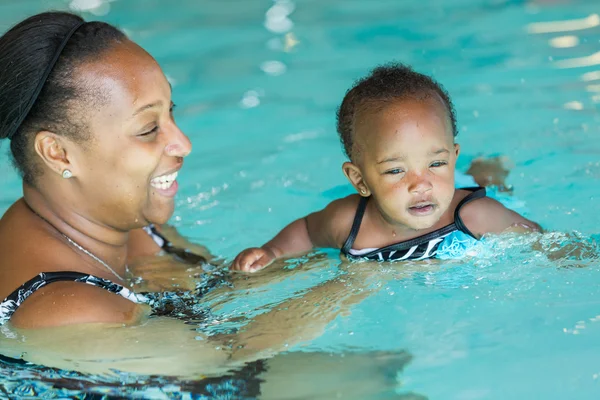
{"x": 150, "y": 272}
{"x": 93, "y": 338}
{"x": 491, "y": 172}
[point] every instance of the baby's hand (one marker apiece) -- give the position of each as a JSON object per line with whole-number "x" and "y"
{"x": 252, "y": 260}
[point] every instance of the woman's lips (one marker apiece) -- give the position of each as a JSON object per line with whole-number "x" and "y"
{"x": 171, "y": 191}
{"x": 165, "y": 185}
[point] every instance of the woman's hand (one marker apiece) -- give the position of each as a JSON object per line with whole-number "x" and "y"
{"x": 491, "y": 172}
{"x": 253, "y": 259}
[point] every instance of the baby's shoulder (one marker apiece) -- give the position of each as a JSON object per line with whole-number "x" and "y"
{"x": 471, "y": 203}
{"x": 482, "y": 214}
{"x": 336, "y": 219}
{"x": 344, "y": 207}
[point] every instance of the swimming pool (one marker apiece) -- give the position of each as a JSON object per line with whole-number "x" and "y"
{"x": 257, "y": 84}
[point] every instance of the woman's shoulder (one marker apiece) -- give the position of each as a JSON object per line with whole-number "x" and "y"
{"x": 69, "y": 303}
{"x": 27, "y": 251}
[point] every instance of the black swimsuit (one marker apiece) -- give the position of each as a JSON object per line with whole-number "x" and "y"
{"x": 10, "y": 304}
{"x": 242, "y": 383}
{"x": 419, "y": 248}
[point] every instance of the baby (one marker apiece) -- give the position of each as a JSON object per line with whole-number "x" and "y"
{"x": 397, "y": 127}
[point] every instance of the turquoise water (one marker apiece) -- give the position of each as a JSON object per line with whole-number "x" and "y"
{"x": 259, "y": 109}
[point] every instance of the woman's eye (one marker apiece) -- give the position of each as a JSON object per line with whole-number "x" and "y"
{"x": 438, "y": 164}
{"x": 395, "y": 171}
{"x": 150, "y": 132}
{"x": 155, "y": 129}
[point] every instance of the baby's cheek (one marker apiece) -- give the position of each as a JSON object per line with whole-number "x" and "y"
{"x": 446, "y": 190}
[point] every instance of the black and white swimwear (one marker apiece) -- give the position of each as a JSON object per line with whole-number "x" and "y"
{"x": 10, "y": 304}
{"x": 447, "y": 242}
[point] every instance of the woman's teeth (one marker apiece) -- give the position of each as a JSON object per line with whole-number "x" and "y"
{"x": 163, "y": 182}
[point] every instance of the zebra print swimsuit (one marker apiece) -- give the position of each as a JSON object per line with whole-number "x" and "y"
{"x": 446, "y": 242}
{"x": 10, "y": 304}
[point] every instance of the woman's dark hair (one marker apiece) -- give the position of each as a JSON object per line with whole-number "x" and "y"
{"x": 384, "y": 85}
{"x": 26, "y": 54}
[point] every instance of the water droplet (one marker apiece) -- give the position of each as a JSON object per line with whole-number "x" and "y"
{"x": 274, "y": 68}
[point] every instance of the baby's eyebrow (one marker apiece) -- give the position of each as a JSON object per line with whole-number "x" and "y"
{"x": 440, "y": 151}
{"x": 391, "y": 159}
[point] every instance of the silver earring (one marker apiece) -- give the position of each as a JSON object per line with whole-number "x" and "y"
{"x": 67, "y": 174}
{"x": 363, "y": 191}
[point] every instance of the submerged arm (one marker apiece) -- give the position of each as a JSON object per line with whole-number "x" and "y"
{"x": 302, "y": 318}
{"x": 151, "y": 272}
{"x": 96, "y": 341}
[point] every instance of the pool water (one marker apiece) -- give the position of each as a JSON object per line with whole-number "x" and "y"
{"x": 257, "y": 84}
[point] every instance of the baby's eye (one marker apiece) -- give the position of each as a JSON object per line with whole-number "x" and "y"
{"x": 394, "y": 171}
{"x": 437, "y": 164}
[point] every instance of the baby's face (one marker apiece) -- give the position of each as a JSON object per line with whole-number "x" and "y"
{"x": 407, "y": 156}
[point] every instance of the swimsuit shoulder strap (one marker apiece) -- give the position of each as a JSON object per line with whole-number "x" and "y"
{"x": 12, "y": 302}
{"x": 476, "y": 193}
{"x": 360, "y": 212}
{"x": 158, "y": 237}
{"x": 181, "y": 254}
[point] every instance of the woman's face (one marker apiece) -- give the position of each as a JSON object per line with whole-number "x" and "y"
{"x": 126, "y": 171}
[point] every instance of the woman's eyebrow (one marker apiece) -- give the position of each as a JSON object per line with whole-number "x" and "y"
{"x": 147, "y": 107}
{"x": 151, "y": 105}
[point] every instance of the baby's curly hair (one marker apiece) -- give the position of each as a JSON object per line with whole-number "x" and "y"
{"x": 386, "y": 84}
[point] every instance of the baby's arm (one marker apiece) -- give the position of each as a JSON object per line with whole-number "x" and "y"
{"x": 292, "y": 239}
{"x": 487, "y": 215}
{"x": 323, "y": 228}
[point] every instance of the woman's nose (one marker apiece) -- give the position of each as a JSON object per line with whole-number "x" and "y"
{"x": 179, "y": 144}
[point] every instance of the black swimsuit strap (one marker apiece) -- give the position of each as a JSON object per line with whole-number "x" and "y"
{"x": 476, "y": 193}
{"x": 10, "y": 304}
{"x": 183, "y": 255}
{"x": 358, "y": 217}
{"x": 51, "y": 277}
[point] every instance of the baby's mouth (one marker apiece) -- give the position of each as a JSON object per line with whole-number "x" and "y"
{"x": 422, "y": 208}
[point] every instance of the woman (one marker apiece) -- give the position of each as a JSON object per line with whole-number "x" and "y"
{"x": 89, "y": 117}
{"x": 88, "y": 114}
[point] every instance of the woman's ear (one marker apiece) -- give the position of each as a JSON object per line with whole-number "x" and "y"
{"x": 355, "y": 177}
{"x": 52, "y": 149}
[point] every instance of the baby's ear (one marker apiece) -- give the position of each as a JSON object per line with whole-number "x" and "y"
{"x": 457, "y": 149}
{"x": 355, "y": 177}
